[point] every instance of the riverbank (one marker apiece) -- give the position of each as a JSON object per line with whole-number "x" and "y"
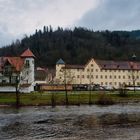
{"x": 74, "y": 98}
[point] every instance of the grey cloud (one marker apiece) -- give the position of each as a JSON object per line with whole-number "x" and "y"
{"x": 17, "y": 15}
{"x": 113, "y": 15}
{"x": 5, "y": 39}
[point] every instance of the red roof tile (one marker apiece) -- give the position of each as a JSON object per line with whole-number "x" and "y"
{"x": 74, "y": 67}
{"x": 120, "y": 65}
{"x": 16, "y": 62}
{"x": 27, "y": 53}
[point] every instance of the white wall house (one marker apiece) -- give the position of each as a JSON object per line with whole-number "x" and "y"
{"x": 17, "y": 72}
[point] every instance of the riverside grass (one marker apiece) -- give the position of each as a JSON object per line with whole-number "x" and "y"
{"x": 74, "y": 98}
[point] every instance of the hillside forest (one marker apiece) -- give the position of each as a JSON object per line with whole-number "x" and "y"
{"x": 76, "y": 46}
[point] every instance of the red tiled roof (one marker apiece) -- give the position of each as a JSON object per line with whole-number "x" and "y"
{"x": 120, "y": 65}
{"x": 27, "y": 53}
{"x": 74, "y": 66}
{"x": 16, "y": 62}
{"x": 109, "y": 64}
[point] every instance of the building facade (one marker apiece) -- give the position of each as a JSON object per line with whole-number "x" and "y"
{"x": 17, "y": 72}
{"x": 110, "y": 74}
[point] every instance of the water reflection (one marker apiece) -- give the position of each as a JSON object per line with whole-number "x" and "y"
{"x": 83, "y": 122}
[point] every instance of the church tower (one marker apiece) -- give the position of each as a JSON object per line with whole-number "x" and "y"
{"x": 60, "y": 64}
{"x": 27, "y": 74}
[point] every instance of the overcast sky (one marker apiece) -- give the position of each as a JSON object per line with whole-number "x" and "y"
{"x": 20, "y": 17}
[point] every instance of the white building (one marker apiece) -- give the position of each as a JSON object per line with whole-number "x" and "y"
{"x": 17, "y": 72}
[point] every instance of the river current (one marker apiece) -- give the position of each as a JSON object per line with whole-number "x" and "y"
{"x": 116, "y": 122}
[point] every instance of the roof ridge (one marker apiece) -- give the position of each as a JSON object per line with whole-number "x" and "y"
{"x": 27, "y": 53}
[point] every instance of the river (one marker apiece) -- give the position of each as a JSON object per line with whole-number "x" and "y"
{"x": 116, "y": 122}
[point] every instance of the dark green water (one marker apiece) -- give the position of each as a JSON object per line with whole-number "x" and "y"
{"x": 117, "y": 122}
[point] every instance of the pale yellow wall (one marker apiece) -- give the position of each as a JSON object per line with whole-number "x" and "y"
{"x": 93, "y": 74}
{"x": 59, "y": 73}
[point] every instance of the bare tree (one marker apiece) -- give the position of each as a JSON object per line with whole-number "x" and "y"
{"x": 68, "y": 79}
{"x": 90, "y": 77}
{"x": 66, "y": 76}
{"x": 16, "y": 79}
{"x": 11, "y": 77}
{"x": 133, "y": 76}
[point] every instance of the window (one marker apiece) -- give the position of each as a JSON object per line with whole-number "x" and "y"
{"x": 91, "y": 76}
{"x": 78, "y": 76}
{"x": 91, "y": 70}
{"x": 27, "y": 73}
{"x": 97, "y": 76}
{"x": 82, "y": 76}
{"x": 105, "y": 76}
{"x": 7, "y": 70}
{"x": 123, "y": 77}
{"x": 101, "y": 76}
{"x": 13, "y": 79}
{"x": 87, "y": 70}
{"x": 3, "y": 81}
{"x": 91, "y": 65}
{"x": 27, "y": 64}
{"x": 110, "y": 77}
{"x": 119, "y": 77}
{"x": 110, "y": 83}
{"x": 96, "y": 70}
{"x": 115, "y": 76}
{"x": 1, "y": 77}
{"x": 87, "y": 76}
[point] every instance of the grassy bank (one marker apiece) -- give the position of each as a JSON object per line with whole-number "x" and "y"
{"x": 74, "y": 98}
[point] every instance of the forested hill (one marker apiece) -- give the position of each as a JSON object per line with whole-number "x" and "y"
{"x": 76, "y": 46}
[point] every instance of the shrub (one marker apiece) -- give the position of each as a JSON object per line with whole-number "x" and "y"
{"x": 122, "y": 92}
{"x": 33, "y": 97}
{"x": 104, "y": 100}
